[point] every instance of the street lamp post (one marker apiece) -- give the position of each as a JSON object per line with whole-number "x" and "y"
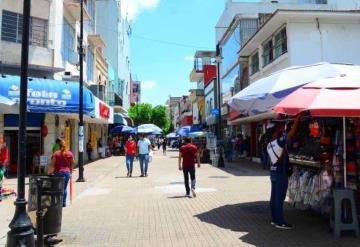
{"x": 21, "y": 232}
{"x": 81, "y": 92}
{"x": 218, "y": 86}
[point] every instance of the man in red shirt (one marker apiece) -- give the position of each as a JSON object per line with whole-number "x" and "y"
{"x": 130, "y": 152}
{"x": 187, "y": 154}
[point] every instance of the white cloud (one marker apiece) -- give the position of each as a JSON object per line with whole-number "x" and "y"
{"x": 189, "y": 58}
{"x": 134, "y": 7}
{"x": 148, "y": 85}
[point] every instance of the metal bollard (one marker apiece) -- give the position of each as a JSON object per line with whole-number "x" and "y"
{"x": 39, "y": 215}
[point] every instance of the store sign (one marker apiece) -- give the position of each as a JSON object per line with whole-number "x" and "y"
{"x": 215, "y": 112}
{"x": 104, "y": 110}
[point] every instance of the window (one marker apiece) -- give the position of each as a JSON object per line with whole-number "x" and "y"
{"x": 280, "y": 43}
{"x": 255, "y": 63}
{"x": 11, "y": 29}
{"x": 268, "y": 55}
{"x": 68, "y": 43}
{"x": 90, "y": 65}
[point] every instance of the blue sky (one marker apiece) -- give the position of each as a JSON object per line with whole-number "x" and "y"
{"x": 164, "y": 68}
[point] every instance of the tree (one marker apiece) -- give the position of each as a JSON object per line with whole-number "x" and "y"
{"x": 160, "y": 117}
{"x": 141, "y": 113}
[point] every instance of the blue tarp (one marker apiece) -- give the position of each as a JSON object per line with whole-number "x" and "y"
{"x": 48, "y": 96}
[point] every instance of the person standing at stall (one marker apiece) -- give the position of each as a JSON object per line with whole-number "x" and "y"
{"x": 164, "y": 142}
{"x": 143, "y": 149}
{"x": 130, "y": 152}
{"x": 61, "y": 165}
{"x": 3, "y": 162}
{"x": 187, "y": 154}
{"x": 279, "y": 166}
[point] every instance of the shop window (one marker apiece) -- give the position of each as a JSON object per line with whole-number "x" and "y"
{"x": 11, "y": 29}
{"x": 280, "y": 43}
{"x": 68, "y": 43}
{"x": 90, "y": 65}
{"x": 268, "y": 55}
{"x": 255, "y": 63}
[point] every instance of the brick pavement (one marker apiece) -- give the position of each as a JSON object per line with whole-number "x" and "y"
{"x": 231, "y": 209}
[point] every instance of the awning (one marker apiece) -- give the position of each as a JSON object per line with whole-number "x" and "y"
{"x": 255, "y": 118}
{"x": 48, "y": 96}
{"x": 119, "y": 119}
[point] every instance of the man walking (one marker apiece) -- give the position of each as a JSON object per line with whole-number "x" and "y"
{"x": 187, "y": 154}
{"x": 143, "y": 147}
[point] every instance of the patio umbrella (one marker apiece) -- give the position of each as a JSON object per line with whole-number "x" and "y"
{"x": 146, "y": 128}
{"x": 333, "y": 97}
{"x": 197, "y": 134}
{"x": 265, "y": 93}
{"x": 171, "y": 135}
{"x": 117, "y": 129}
{"x": 127, "y": 129}
{"x": 186, "y": 130}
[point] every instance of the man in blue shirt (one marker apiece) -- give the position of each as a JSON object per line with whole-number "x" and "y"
{"x": 279, "y": 166}
{"x": 143, "y": 148}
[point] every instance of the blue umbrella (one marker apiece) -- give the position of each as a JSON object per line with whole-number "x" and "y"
{"x": 117, "y": 129}
{"x": 127, "y": 129}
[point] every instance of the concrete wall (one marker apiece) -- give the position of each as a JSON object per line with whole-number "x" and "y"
{"x": 324, "y": 44}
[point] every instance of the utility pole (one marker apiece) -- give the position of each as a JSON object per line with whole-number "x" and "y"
{"x": 21, "y": 232}
{"x": 81, "y": 92}
{"x": 220, "y": 135}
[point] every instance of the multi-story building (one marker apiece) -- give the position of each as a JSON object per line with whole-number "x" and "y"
{"x": 135, "y": 97}
{"x": 53, "y": 54}
{"x": 115, "y": 29}
{"x": 204, "y": 98}
{"x": 173, "y": 104}
{"x": 305, "y": 26}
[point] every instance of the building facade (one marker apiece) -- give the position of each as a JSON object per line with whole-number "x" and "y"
{"x": 54, "y": 66}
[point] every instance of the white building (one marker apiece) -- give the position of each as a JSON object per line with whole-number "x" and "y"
{"x": 53, "y": 54}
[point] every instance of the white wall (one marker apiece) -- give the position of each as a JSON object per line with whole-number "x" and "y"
{"x": 307, "y": 44}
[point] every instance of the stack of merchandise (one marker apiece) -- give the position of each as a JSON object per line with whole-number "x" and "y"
{"x": 308, "y": 189}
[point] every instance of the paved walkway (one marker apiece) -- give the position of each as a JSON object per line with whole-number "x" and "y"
{"x": 231, "y": 209}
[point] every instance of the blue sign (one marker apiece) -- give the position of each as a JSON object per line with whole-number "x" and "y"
{"x": 46, "y": 95}
{"x": 215, "y": 112}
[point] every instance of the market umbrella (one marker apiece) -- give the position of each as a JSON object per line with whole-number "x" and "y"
{"x": 117, "y": 129}
{"x": 332, "y": 97}
{"x": 197, "y": 134}
{"x": 267, "y": 92}
{"x": 127, "y": 129}
{"x": 145, "y": 128}
{"x": 171, "y": 135}
{"x": 186, "y": 130}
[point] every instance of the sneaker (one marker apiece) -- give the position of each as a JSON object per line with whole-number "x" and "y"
{"x": 141, "y": 175}
{"x": 130, "y": 175}
{"x": 272, "y": 223}
{"x": 146, "y": 174}
{"x": 188, "y": 195}
{"x": 193, "y": 192}
{"x": 284, "y": 226}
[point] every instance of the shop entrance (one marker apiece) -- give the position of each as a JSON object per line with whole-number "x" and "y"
{"x": 33, "y": 148}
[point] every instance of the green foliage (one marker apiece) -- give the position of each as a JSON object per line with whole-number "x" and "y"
{"x": 144, "y": 113}
{"x": 160, "y": 117}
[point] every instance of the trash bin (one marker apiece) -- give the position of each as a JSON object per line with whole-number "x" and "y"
{"x": 51, "y": 202}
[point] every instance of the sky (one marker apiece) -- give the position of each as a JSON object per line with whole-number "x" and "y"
{"x": 165, "y": 37}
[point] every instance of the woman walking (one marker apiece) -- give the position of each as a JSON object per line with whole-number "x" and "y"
{"x": 62, "y": 163}
{"x": 130, "y": 152}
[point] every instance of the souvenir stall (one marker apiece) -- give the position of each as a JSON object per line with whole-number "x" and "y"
{"x": 326, "y": 150}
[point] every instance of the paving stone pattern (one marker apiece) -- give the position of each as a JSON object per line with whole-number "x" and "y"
{"x": 231, "y": 209}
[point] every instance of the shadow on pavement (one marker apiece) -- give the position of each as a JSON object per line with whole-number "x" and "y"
{"x": 176, "y": 197}
{"x": 244, "y": 168}
{"x": 252, "y": 220}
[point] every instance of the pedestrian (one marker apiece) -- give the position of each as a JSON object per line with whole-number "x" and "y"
{"x": 279, "y": 165}
{"x": 62, "y": 162}
{"x": 56, "y": 145}
{"x": 229, "y": 150}
{"x": 143, "y": 147}
{"x": 187, "y": 154}
{"x": 130, "y": 152}
{"x": 89, "y": 149}
{"x": 3, "y": 162}
{"x": 100, "y": 148}
{"x": 164, "y": 146}
{"x": 158, "y": 143}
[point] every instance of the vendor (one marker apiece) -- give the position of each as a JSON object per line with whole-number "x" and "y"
{"x": 279, "y": 166}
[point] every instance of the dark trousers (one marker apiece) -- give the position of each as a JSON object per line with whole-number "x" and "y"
{"x": 187, "y": 171}
{"x": 89, "y": 155}
{"x": 279, "y": 185}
